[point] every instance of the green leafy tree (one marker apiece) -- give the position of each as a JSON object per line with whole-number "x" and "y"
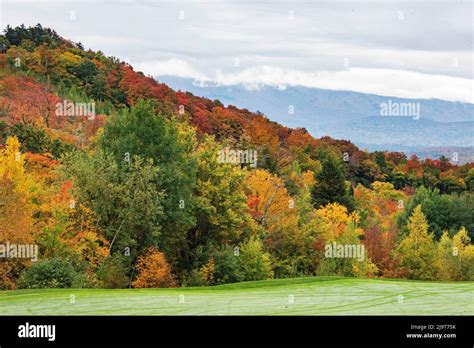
{"x": 128, "y": 203}
{"x": 141, "y": 132}
{"x": 444, "y": 212}
{"x": 220, "y": 206}
{"x": 469, "y": 180}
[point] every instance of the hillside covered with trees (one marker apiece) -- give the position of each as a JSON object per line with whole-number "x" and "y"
{"x": 123, "y": 182}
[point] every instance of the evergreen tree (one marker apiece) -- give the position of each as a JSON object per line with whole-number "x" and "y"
{"x": 330, "y": 186}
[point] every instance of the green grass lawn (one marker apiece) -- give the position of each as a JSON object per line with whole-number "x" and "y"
{"x": 302, "y": 296}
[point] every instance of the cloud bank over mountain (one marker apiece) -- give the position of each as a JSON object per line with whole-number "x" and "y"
{"x": 408, "y": 50}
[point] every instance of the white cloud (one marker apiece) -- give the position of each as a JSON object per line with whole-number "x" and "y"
{"x": 388, "y": 82}
{"x": 426, "y": 54}
{"x": 170, "y": 67}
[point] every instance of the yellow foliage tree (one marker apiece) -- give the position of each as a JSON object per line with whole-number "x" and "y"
{"x": 334, "y": 224}
{"x": 269, "y": 201}
{"x": 16, "y": 209}
{"x": 464, "y": 250}
{"x": 417, "y": 250}
{"x": 333, "y": 220}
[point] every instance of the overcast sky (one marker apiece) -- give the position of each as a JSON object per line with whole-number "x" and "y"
{"x": 414, "y": 49}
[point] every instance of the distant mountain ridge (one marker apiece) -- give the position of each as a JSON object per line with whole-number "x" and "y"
{"x": 402, "y": 131}
{"x": 348, "y": 115}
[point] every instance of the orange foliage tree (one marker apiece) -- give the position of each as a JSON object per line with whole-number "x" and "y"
{"x": 379, "y": 207}
{"x": 153, "y": 271}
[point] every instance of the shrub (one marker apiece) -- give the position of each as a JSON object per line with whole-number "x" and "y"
{"x": 254, "y": 263}
{"x": 50, "y": 273}
{"x": 226, "y": 266}
{"x": 195, "y": 278}
{"x": 10, "y": 269}
{"x": 202, "y": 276}
{"x": 153, "y": 271}
{"x": 284, "y": 269}
{"x": 112, "y": 273}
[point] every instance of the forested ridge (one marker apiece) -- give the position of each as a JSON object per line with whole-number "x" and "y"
{"x": 121, "y": 182}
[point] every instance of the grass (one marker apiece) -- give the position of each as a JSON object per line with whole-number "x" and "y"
{"x": 301, "y": 296}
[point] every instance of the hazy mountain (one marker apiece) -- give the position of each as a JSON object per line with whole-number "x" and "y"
{"x": 349, "y": 115}
{"x": 401, "y": 131}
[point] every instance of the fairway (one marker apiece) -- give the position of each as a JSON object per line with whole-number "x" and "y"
{"x": 302, "y": 296}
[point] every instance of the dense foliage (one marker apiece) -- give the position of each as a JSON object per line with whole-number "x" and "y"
{"x": 157, "y": 187}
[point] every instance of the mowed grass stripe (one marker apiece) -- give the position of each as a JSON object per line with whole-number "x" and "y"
{"x": 312, "y": 296}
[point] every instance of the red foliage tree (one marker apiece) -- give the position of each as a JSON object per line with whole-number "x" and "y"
{"x": 27, "y": 101}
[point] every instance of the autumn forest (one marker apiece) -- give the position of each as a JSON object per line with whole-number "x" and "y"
{"x": 121, "y": 181}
